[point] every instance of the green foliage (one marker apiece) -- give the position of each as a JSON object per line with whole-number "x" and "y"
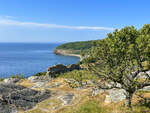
{"x": 40, "y": 74}
{"x": 20, "y": 76}
{"x": 83, "y": 45}
{"x": 125, "y": 48}
{"x": 120, "y": 54}
{"x": 1, "y": 79}
{"x": 80, "y": 75}
{"x": 82, "y": 48}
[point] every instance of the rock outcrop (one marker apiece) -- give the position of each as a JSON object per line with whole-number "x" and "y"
{"x": 39, "y": 78}
{"x": 72, "y": 67}
{"x": 59, "y": 68}
{"x": 115, "y": 95}
{"x": 15, "y": 97}
{"x": 11, "y": 80}
{"x": 67, "y": 98}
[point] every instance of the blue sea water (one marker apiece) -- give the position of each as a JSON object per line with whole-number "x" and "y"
{"x": 29, "y": 58}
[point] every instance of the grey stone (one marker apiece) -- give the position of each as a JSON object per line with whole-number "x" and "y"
{"x": 107, "y": 99}
{"x": 8, "y": 109}
{"x": 95, "y": 91}
{"x": 20, "y": 97}
{"x": 147, "y": 88}
{"x": 67, "y": 98}
{"x": 39, "y": 84}
{"x": 11, "y": 80}
{"x": 59, "y": 68}
{"x": 39, "y": 78}
{"x": 116, "y": 95}
{"x": 72, "y": 67}
{"x": 33, "y": 78}
{"x": 89, "y": 82}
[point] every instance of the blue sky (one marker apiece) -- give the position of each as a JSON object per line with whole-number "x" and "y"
{"x": 68, "y": 20}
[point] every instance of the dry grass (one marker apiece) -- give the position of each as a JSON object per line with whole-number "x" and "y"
{"x": 83, "y": 101}
{"x": 25, "y": 83}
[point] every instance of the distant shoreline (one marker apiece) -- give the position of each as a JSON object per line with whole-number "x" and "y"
{"x": 66, "y": 53}
{"x": 74, "y": 48}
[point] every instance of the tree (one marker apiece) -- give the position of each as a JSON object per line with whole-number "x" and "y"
{"x": 121, "y": 57}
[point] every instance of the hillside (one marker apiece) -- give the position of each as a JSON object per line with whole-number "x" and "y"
{"x": 73, "y": 48}
{"x": 74, "y": 91}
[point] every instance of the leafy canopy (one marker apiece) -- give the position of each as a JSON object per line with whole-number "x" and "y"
{"x": 122, "y": 56}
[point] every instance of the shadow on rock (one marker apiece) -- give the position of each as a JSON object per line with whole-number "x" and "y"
{"x": 13, "y": 97}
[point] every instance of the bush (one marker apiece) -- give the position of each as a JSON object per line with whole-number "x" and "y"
{"x": 1, "y": 79}
{"x": 78, "y": 77}
{"x": 40, "y": 74}
{"x": 20, "y": 76}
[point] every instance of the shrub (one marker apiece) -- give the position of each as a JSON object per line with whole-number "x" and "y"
{"x": 40, "y": 74}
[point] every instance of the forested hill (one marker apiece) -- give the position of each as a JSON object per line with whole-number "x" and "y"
{"x": 74, "y": 48}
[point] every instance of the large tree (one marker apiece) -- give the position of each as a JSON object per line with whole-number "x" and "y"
{"x": 121, "y": 57}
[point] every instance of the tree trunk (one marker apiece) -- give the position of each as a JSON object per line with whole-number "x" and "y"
{"x": 128, "y": 99}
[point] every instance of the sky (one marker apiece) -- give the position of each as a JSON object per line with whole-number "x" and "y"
{"x": 47, "y": 21}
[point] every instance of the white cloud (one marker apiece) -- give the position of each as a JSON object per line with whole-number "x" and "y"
{"x": 10, "y": 22}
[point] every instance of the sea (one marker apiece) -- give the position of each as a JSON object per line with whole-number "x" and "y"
{"x": 28, "y": 59}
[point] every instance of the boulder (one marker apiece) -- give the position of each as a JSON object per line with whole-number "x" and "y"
{"x": 95, "y": 91}
{"x": 67, "y": 98}
{"x": 107, "y": 99}
{"x": 11, "y": 80}
{"x": 143, "y": 75}
{"x": 59, "y": 68}
{"x": 33, "y": 78}
{"x": 115, "y": 95}
{"x": 147, "y": 88}
{"x": 39, "y": 78}
{"x": 72, "y": 67}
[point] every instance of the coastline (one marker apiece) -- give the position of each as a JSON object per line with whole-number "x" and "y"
{"x": 66, "y": 53}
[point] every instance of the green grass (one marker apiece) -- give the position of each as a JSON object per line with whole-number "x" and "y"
{"x": 80, "y": 75}
{"x": 90, "y": 106}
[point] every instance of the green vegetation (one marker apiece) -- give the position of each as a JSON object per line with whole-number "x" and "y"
{"x": 40, "y": 74}
{"x": 91, "y": 106}
{"x": 120, "y": 57}
{"x": 79, "y": 76}
{"x": 20, "y": 76}
{"x": 81, "y": 47}
{"x": 1, "y": 79}
{"x": 94, "y": 106}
